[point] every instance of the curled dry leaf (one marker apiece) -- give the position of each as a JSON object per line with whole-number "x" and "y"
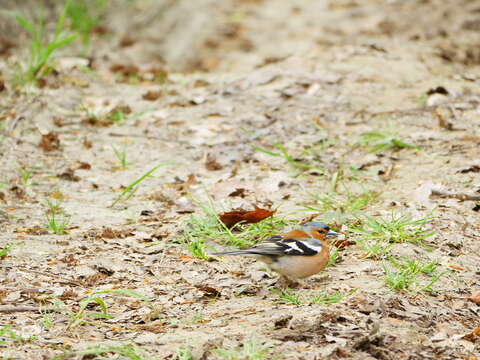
{"x": 253, "y": 216}
{"x": 69, "y": 175}
{"x": 238, "y": 192}
{"x": 209, "y": 291}
{"x": 212, "y": 163}
{"x": 151, "y": 95}
{"x": 343, "y": 243}
{"x": 50, "y": 142}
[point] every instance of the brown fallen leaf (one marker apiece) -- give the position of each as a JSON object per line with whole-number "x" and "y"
{"x": 473, "y": 335}
{"x": 253, "y": 216}
{"x": 69, "y": 175}
{"x": 83, "y": 165}
{"x": 109, "y": 233}
{"x": 212, "y": 163}
{"x": 50, "y": 142}
{"x": 238, "y": 192}
{"x": 343, "y": 243}
{"x": 151, "y": 95}
{"x": 126, "y": 41}
{"x": 209, "y": 291}
{"x": 18, "y": 192}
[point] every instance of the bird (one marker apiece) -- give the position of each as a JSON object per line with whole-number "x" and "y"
{"x": 296, "y": 254}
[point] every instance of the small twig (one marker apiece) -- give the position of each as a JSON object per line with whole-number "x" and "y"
{"x": 25, "y": 290}
{"x": 23, "y": 308}
{"x": 149, "y": 137}
{"x": 455, "y": 195}
{"x": 60, "y": 279}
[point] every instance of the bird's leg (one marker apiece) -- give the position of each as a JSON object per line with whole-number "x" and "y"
{"x": 284, "y": 282}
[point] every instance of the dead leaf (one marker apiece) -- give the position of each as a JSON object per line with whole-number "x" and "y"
{"x": 127, "y": 41}
{"x": 181, "y": 185}
{"x": 83, "y": 165}
{"x": 87, "y": 144}
{"x": 212, "y": 164}
{"x": 444, "y": 115}
{"x": 209, "y": 291}
{"x": 50, "y": 142}
{"x": 69, "y": 175}
{"x": 153, "y": 328}
{"x": 151, "y": 95}
{"x": 472, "y": 336}
{"x": 18, "y": 192}
{"x": 238, "y": 192}
{"x": 185, "y": 205}
{"x": 473, "y": 168}
{"x": 125, "y": 70}
{"x": 109, "y": 233}
{"x": 438, "y": 90}
{"x": 251, "y": 217}
{"x": 36, "y": 230}
{"x": 343, "y": 243}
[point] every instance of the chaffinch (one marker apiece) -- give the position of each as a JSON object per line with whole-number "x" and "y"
{"x": 294, "y": 255}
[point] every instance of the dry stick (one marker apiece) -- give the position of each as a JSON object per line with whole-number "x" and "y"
{"x": 459, "y": 196}
{"x": 25, "y": 290}
{"x": 148, "y": 137}
{"x": 59, "y": 278}
{"x": 22, "y": 308}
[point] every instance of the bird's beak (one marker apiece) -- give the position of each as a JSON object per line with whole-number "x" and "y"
{"x": 332, "y": 234}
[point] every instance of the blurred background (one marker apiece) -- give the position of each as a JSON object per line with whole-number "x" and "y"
{"x": 233, "y": 35}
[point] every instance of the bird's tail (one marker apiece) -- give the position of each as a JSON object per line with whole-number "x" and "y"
{"x": 237, "y": 252}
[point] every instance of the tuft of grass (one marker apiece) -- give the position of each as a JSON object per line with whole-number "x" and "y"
{"x": 334, "y": 256}
{"x": 117, "y": 116}
{"x": 323, "y": 298}
{"x": 121, "y": 351}
{"x": 283, "y": 153}
{"x": 121, "y": 156}
{"x": 384, "y": 140}
{"x": 288, "y": 295}
{"x": 197, "y": 248}
{"x": 398, "y": 228}
{"x": 184, "y": 353}
{"x": 340, "y": 207}
{"x": 4, "y": 250}
{"x": 7, "y": 334}
{"x": 26, "y": 176}
{"x": 57, "y": 220}
{"x": 376, "y": 236}
{"x": 84, "y": 16}
{"x": 346, "y": 202}
{"x": 404, "y": 274}
{"x": 199, "y": 230}
{"x": 133, "y": 187}
{"x": 251, "y": 349}
{"x": 42, "y": 47}
{"x": 96, "y": 298}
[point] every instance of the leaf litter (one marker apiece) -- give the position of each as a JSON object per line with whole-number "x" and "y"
{"x": 342, "y": 90}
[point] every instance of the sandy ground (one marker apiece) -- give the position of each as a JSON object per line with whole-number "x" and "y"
{"x": 312, "y": 76}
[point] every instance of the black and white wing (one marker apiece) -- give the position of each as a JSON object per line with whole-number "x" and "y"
{"x": 277, "y": 245}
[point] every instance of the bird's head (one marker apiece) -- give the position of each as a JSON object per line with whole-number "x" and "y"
{"x": 319, "y": 230}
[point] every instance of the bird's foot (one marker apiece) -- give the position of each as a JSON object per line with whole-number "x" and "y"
{"x": 284, "y": 282}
